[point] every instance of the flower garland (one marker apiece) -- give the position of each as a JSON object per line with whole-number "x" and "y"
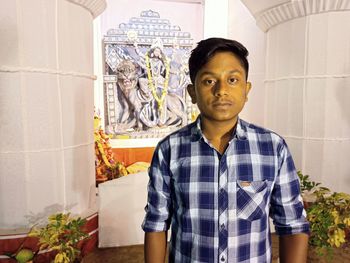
{"x": 159, "y": 99}
{"x": 106, "y": 167}
{"x": 102, "y": 151}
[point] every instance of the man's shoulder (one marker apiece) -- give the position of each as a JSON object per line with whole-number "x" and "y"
{"x": 260, "y": 132}
{"x": 181, "y": 134}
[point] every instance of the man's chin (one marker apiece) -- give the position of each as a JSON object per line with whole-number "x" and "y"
{"x": 221, "y": 118}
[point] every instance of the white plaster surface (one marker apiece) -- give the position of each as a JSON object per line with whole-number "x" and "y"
{"x": 46, "y": 109}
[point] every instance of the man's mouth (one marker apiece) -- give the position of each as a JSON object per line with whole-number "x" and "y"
{"x": 223, "y": 104}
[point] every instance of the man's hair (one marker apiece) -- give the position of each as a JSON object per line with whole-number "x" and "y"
{"x": 208, "y": 47}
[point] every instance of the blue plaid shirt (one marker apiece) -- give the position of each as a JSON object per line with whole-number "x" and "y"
{"x": 218, "y": 206}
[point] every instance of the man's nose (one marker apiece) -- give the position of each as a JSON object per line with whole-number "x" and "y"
{"x": 220, "y": 88}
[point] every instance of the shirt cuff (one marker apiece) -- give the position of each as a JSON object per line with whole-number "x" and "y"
{"x": 149, "y": 226}
{"x": 288, "y": 230}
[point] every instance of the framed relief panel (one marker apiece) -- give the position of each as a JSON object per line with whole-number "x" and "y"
{"x": 146, "y": 75}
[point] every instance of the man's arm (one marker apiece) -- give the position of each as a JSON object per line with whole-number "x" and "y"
{"x": 155, "y": 247}
{"x": 288, "y": 212}
{"x": 293, "y": 248}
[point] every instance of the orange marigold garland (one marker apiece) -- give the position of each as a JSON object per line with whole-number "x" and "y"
{"x": 106, "y": 167}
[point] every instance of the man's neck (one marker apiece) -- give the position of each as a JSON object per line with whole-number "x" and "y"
{"x": 218, "y": 133}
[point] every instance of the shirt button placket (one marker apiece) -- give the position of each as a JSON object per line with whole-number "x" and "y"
{"x": 223, "y": 210}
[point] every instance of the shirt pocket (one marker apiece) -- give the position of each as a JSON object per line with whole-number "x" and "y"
{"x": 251, "y": 199}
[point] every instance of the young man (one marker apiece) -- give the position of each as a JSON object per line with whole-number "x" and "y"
{"x": 217, "y": 181}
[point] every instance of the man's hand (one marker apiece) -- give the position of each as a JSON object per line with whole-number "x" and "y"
{"x": 293, "y": 248}
{"x": 155, "y": 247}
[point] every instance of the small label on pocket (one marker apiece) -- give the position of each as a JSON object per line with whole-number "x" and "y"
{"x": 245, "y": 183}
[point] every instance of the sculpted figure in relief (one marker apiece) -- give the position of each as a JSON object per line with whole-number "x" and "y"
{"x": 131, "y": 98}
{"x": 167, "y": 108}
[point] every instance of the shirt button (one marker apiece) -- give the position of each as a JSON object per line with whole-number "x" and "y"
{"x": 222, "y": 259}
{"x": 222, "y": 190}
{"x": 222, "y": 226}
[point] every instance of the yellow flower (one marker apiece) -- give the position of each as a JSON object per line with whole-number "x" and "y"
{"x": 61, "y": 258}
{"x": 54, "y": 237}
{"x": 347, "y": 221}
{"x": 311, "y": 218}
{"x": 335, "y": 215}
{"x": 337, "y": 238}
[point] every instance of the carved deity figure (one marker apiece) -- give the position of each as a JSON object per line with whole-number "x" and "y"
{"x": 131, "y": 98}
{"x": 166, "y": 108}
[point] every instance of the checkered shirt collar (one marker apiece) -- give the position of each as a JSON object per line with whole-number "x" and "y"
{"x": 240, "y": 132}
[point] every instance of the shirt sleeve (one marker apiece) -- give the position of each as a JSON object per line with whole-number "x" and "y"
{"x": 287, "y": 210}
{"x": 158, "y": 208}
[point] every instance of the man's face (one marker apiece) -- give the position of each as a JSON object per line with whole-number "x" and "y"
{"x": 220, "y": 89}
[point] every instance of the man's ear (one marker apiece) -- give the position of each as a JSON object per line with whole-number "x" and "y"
{"x": 247, "y": 89}
{"x": 192, "y": 92}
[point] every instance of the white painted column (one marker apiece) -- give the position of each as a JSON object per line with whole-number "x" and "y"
{"x": 46, "y": 109}
{"x": 308, "y": 83}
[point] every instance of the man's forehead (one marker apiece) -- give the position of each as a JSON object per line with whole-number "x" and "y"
{"x": 204, "y": 72}
{"x": 227, "y": 59}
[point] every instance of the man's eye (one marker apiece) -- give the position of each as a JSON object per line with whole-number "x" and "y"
{"x": 232, "y": 80}
{"x": 209, "y": 81}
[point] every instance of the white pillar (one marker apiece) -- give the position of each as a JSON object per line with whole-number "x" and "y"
{"x": 308, "y": 83}
{"x": 46, "y": 108}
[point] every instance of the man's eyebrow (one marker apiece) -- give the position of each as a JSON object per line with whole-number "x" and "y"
{"x": 236, "y": 71}
{"x": 207, "y": 73}
{"x": 213, "y": 73}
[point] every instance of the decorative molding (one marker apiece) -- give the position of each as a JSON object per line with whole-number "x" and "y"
{"x": 297, "y": 8}
{"x": 308, "y": 77}
{"x": 316, "y": 138}
{"x": 95, "y": 7}
{"x": 12, "y": 69}
{"x": 51, "y": 149}
{"x": 146, "y": 29}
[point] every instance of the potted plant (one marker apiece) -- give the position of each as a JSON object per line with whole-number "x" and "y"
{"x": 61, "y": 234}
{"x": 329, "y": 216}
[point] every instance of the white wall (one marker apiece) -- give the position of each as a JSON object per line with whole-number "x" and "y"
{"x": 242, "y": 27}
{"x": 216, "y": 15}
{"x": 98, "y": 69}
